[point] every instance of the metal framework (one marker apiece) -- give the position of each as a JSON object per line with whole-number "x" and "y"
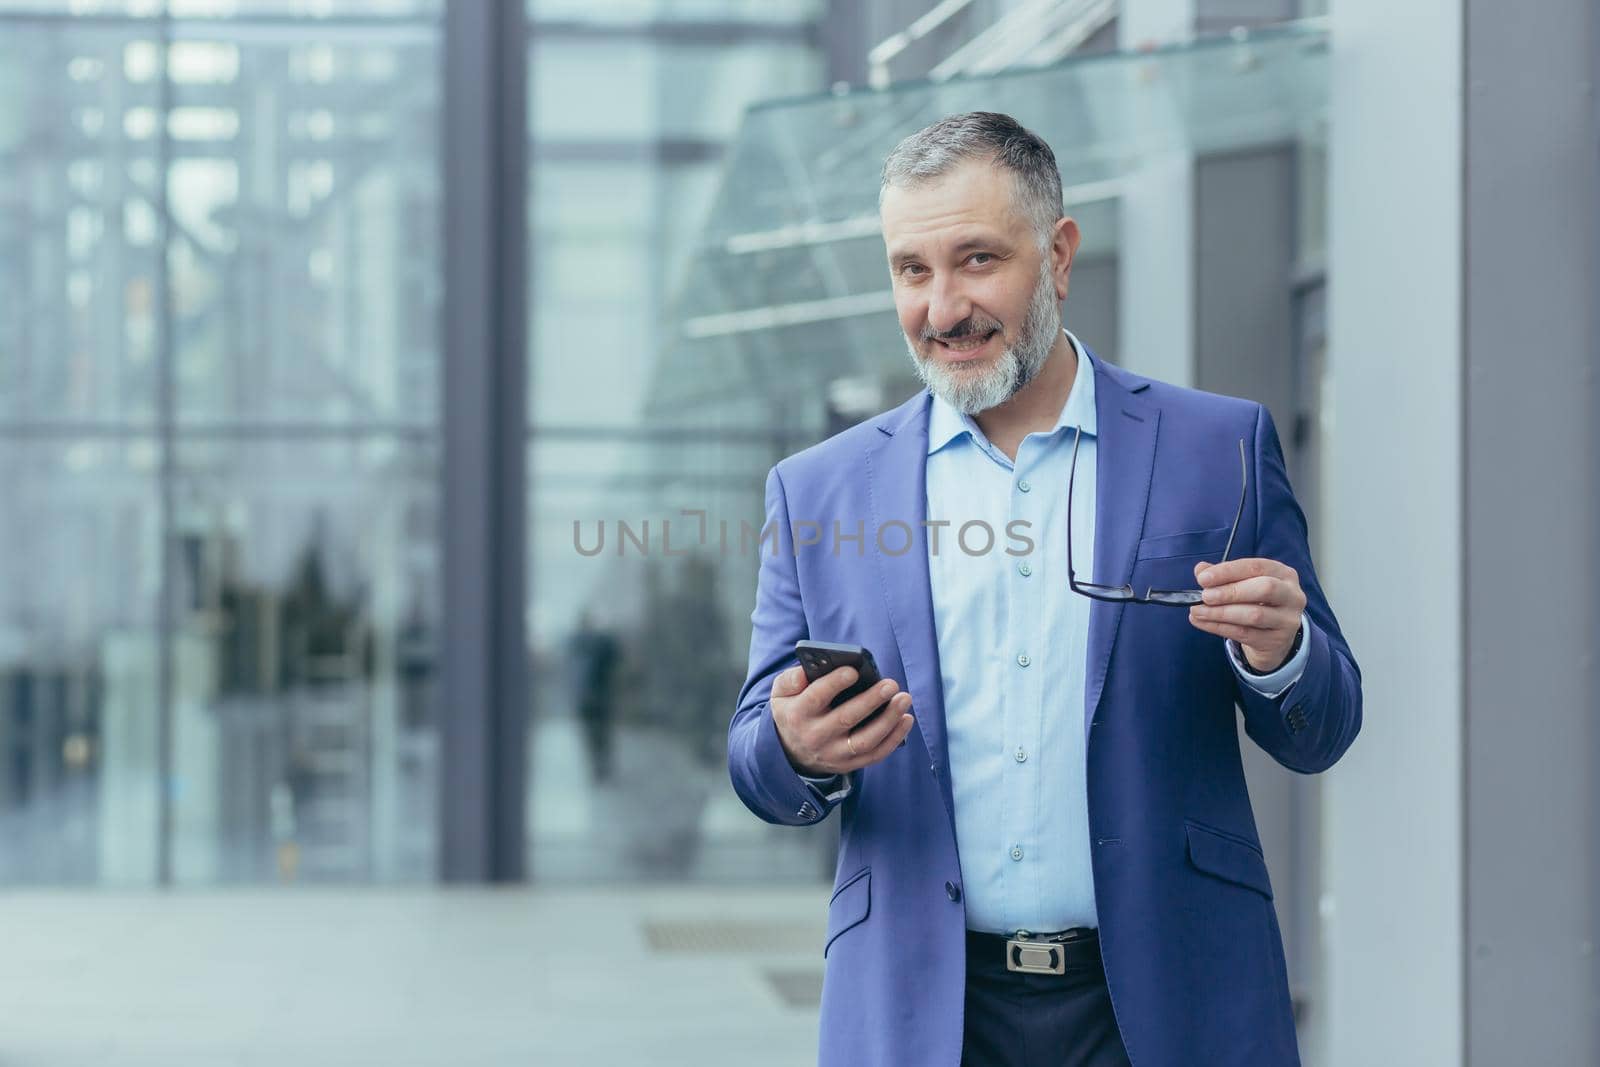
{"x": 483, "y": 711}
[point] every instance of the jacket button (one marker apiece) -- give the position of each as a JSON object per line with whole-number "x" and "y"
{"x": 952, "y": 891}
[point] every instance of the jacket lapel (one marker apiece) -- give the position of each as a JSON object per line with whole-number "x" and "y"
{"x": 1125, "y": 451}
{"x": 896, "y": 468}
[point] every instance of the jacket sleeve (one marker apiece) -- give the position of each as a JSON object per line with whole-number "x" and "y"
{"x": 761, "y": 772}
{"x": 1308, "y": 726}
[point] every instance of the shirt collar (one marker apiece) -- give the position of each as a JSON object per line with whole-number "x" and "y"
{"x": 945, "y": 423}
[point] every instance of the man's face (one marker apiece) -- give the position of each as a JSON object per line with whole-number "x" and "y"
{"x": 977, "y": 300}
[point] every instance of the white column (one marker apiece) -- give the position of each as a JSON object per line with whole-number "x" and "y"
{"x": 1155, "y": 261}
{"x": 1392, "y": 837}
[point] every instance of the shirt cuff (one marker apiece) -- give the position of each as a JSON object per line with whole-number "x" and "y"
{"x": 835, "y": 787}
{"x": 1278, "y": 682}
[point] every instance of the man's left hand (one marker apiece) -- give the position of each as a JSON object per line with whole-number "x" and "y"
{"x": 1256, "y": 602}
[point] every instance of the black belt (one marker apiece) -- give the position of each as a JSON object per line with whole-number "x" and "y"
{"x": 1029, "y": 953}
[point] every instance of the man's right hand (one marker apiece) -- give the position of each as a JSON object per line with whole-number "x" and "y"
{"x": 821, "y": 741}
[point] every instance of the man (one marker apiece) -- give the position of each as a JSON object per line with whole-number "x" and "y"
{"x": 595, "y": 653}
{"x": 1060, "y": 865}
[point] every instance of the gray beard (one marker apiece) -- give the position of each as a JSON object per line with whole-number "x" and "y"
{"x": 971, "y": 391}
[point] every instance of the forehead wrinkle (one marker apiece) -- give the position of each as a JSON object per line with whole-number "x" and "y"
{"x": 954, "y": 244}
{"x": 952, "y": 232}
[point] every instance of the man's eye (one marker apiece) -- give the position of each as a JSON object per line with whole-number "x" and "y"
{"x": 910, "y": 268}
{"x": 979, "y": 255}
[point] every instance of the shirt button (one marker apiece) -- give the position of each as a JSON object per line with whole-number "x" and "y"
{"x": 1023, "y": 569}
{"x": 952, "y": 891}
{"x": 1022, "y": 659}
{"x": 1016, "y": 853}
{"x": 1023, "y": 486}
{"x": 1022, "y": 756}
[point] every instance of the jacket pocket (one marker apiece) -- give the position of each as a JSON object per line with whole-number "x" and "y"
{"x": 1208, "y": 543}
{"x": 1227, "y": 857}
{"x": 851, "y": 904}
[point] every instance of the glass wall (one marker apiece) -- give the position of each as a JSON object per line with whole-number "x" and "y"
{"x": 218, "y": 424}
{"x": 636, "y": 659}
{"x": 220, "y": 407}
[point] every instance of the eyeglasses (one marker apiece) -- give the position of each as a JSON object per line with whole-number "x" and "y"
{"x": 1124, "y": 594}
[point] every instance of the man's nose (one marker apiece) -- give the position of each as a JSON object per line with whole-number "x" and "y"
{"x": 948, "y": 306}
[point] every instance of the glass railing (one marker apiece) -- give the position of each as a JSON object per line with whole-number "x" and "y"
{"x": 788, "y": 291}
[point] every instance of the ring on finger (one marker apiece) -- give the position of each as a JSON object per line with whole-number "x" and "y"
{"x": 850, "y": 743}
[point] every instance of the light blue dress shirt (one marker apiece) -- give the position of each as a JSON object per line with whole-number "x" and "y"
{"x": 1013, "y": 656}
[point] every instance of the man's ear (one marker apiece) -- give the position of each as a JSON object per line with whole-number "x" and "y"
{"x": 1063, "y": 250}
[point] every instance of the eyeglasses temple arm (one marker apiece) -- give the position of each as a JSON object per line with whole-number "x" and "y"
{"x": 1072, "y": 476}
{"x": 1244, "y": 489}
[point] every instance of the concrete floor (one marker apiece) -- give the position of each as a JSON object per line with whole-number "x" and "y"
{"x": 414, "y": 978}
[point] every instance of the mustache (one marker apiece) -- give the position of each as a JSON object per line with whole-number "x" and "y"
{"x": 971, "y": 326}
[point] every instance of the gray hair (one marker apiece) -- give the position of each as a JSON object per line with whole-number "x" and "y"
{"x": 933, "y": 152}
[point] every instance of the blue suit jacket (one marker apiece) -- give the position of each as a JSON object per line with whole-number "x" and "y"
{"x": 1193, "y": 955}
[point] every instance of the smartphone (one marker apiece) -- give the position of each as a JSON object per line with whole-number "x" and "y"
{"x": 818, "y": 658}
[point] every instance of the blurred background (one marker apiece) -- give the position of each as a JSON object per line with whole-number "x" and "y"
{"x": 333, "y": 333}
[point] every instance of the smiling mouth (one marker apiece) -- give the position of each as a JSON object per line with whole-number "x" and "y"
{"x": 966, "y": 346}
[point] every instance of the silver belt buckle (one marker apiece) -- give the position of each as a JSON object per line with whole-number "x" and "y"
{"x": 1034, "y": 957}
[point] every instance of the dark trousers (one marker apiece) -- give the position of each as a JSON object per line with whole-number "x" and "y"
{"x": 1038, "y": 1020}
